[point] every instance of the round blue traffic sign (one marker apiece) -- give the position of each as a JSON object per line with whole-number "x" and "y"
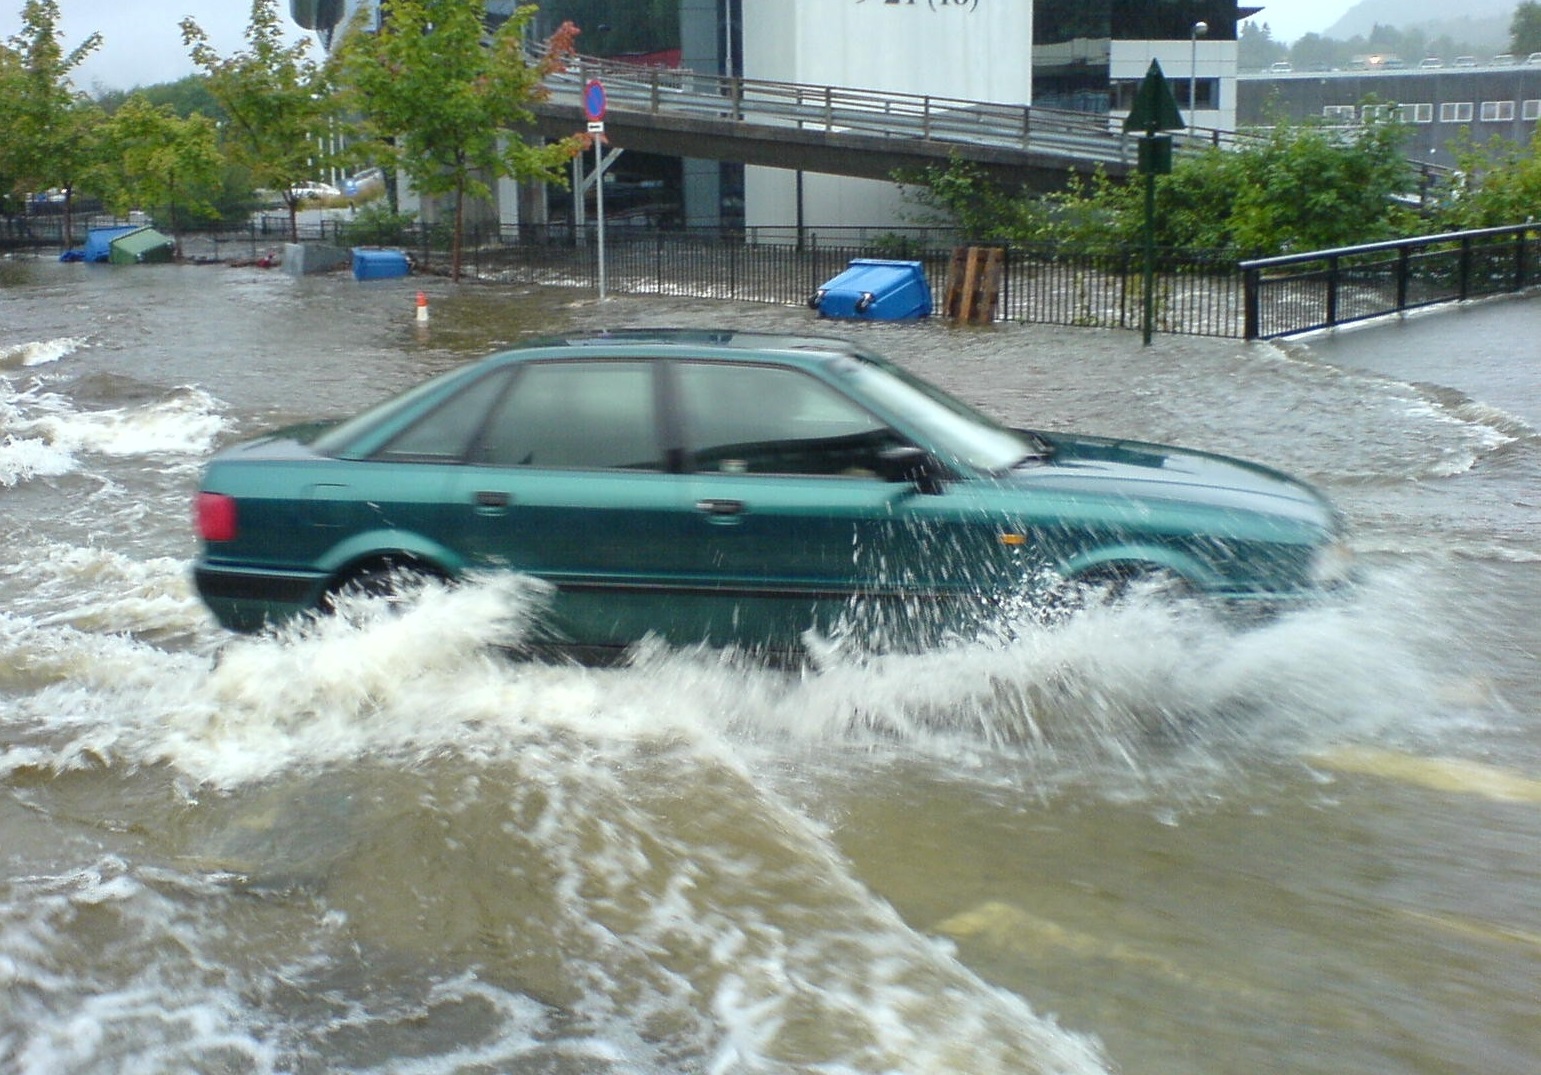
{"x": 594, "y": 100}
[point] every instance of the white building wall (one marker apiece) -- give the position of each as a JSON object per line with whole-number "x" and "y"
{"x": 1129, "y": 60}
{"x": 975, "y": 50}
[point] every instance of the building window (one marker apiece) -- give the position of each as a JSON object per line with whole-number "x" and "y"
{"x": 1455, "y": 112}
{"x": 1497, "y": 111}
{"x": 1531, "y": 110}
{"x": 1423, "y": 113}
{"x": 1339, "y": 113}
{"x": 1370, "y": 113}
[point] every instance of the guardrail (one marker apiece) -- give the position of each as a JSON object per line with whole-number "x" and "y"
{"x": 1297, "y": 293}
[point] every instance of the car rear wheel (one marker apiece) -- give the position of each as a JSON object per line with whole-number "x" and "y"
{"x": 395, "y": 582}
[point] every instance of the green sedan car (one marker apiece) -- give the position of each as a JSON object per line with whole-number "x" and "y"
{"x": 737, "y": 489}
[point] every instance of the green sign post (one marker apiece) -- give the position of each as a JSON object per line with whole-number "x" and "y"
{"x": 1155, "y": 109}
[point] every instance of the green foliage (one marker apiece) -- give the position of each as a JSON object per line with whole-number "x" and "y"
{"x": 165, "y": 164}
{"x": 1500, "y": 184}
{"x": 1302, "y": 187}
{"x": 47, "y": 130}
{"x": 959, "y": 194}
{"x": 446, "y": 101}
{"x": 378, "y": 225}
{"x": 186, "y": 97}
{"x": 283, "y": 118}
{"x": 1256, "y": 48}
{"x": 1311, "y": 188}
{"x": 1525, "y": 29}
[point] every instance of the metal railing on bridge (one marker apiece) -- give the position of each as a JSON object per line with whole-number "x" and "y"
{"x": 1083, "y": 136}
{"x": 1301, "y": 292}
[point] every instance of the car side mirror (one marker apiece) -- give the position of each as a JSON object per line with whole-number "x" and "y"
{"x": 907, "y": 463}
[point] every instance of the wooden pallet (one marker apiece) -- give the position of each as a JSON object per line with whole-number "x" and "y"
{"x": 974, "y": 284}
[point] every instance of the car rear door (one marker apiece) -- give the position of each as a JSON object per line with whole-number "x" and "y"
{"x": 567, "y": 481}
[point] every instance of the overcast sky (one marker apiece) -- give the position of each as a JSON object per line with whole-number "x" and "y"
{"x": 142, "y": 39}
{"x": 141, "y": 44}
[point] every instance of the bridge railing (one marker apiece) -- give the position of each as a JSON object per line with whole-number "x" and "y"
{"x": 838, "y": 109}
{"x": 1301, "y": 292}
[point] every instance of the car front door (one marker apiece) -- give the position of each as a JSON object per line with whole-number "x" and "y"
{"x": 798, "y": 526}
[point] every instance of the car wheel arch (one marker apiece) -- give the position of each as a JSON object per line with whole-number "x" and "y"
{"x": 383, "y": 574}
{"x": 1119, "y": 569}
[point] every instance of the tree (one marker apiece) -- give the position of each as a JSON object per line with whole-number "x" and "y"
{"x": 164, "y": 163}
{"x": 1525, "y": 29}
{"x": 1500, "y": 184}
{"x": 283, "y": 117}
{"x": 450, "y": 99}
{"x": 45, "y": 126}
{"x": 1301, "y": 187}
{"x": 1256, "y": 49}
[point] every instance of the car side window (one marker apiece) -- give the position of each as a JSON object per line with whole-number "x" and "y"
{"x": 444, "y": 434}
{"x": 594, "y": 415}
{"x": 742, "y": 419}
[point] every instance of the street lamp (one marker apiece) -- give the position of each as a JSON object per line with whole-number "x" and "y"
{"x": 1200, "y": 28}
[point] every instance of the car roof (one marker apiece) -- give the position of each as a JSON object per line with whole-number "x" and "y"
{"x": 729, "y": 344}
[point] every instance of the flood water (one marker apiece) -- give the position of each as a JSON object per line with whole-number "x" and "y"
{"x": 1136, "y": 842}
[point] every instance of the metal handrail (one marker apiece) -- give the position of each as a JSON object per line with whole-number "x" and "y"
{"x": 837, "y": 109}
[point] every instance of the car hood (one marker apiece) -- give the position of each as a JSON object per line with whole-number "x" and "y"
{"x": 1105, "y": 467}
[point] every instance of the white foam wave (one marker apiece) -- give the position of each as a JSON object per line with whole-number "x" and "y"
{"x": 1110, "y": 690}
{"x": 103, "y": 590}
{"x": 26, "y": 458}
{"x": 44, "y": 433}
{"x": 41, "y": 352}
{"x": 186, "y": 422}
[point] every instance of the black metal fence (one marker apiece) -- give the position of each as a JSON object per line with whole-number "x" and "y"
{"x": 1301, "y": 292}
{"x": 1196, "y": 292}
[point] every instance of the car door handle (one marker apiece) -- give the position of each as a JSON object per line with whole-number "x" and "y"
{"x": 720, "y": 507}
{"x": 492, "y": 501}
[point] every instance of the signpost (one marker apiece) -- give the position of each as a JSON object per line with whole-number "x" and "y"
{"x": 1155, "y": 109}
{"x": 594, "y": 109}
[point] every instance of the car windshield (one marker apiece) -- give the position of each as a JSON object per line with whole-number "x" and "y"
{"x": 954, "y": 429}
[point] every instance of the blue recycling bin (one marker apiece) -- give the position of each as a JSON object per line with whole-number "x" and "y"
{"x": 876, "y": 289}
{"x": 379, "y": 264}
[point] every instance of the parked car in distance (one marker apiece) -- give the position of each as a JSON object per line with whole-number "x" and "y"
{"x": 1503, "y": 59}
{"x": 1464, "y": 61}
{"x": 314, "y": 191}
{"x": 368, "y": 183}
{"x": 738, "y": 489}
{"x": 1281, "y": 67}
{"x": 1431, "y": 62}
{"x": 1533, "y": 58}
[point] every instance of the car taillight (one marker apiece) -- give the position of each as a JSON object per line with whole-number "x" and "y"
{"x": 216, "y": 517}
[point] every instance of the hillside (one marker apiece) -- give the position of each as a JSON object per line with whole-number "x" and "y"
{"x": 1483, "y": 24}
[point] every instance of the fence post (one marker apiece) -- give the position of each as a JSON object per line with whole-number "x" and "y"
{"x": 1332, "y": 290}
{"x": 1404, "y": 270}
{"x": 1465, "y": 271}
{"x": 1519, "y": 260}
{"x": 1251, "y": 284}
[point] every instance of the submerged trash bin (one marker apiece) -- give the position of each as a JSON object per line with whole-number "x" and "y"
{"x": 99, "y": 241}
{"x": 379, "y": 264}
{"x": 876, "y": 289}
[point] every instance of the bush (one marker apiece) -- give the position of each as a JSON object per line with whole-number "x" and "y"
{"x": 378, "y": 225}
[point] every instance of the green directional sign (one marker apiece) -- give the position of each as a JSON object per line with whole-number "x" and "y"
{"x": 1155, "y": 109}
